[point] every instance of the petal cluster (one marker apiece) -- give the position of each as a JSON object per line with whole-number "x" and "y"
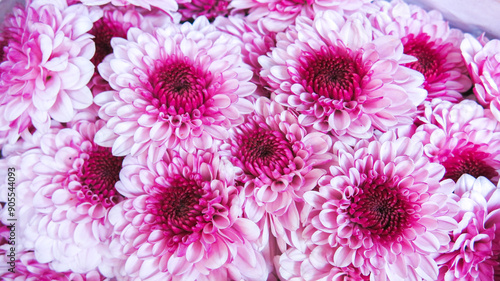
{"x": 183, "y": 221}
{"x": 340, "y": 79}
{"x": 183, "y": 85}
{"x": 379, "y": 211}
{"x": 46, "y": 67}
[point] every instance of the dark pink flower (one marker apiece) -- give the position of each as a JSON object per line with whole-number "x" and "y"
{"x": 279, "y": 160}
{"x": 211, "y": 9}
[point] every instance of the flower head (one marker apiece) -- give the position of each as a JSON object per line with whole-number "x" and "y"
{"x": 65, "y": 188}
{"x": 46, "y": 67}
{"x": 474, "y": 248}
{"x": 482, "y": 61}
{"x": 183, "y": 220}
{"x": 463, "y": 137}
{"x": 181, "y": 85}
{"x": 279, "y": 161}
{"x": 428, "y": 37}
{"x": 379, "y": 211}
{"x": 342, "y": 83}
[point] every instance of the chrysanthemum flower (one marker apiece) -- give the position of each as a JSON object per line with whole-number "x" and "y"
{"x": 382, "y": 210}
{"x": 29, "y": 269}
{"x": 254, "y": 43}
{"x": 45, "y": 70}
{"x": 463, "y": 137}
{"x": 65, "y": 188}
{"x": 277, "y": 15}
{"x": 280, "y": 161}
{"x": 429, "y": 38}
{"x": 481, "y": 57}
{"x": 211, "y": 9}
{"x": 340, "y": 79}
{"x": 181, "y": 85}
{"x": 183, "y": 221}
{"x": 474, "y": 248}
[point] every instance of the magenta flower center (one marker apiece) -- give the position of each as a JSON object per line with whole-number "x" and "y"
{"x": 98, "y": 176}
{"x": 182, "y": 209}
{"x": 430, "y": 58}
{"x": 103, "y": 30}
{"x": 332, "y": 76}
{"x": 380, "y": 208}
{"x": 264, "y": 152}
{"x": 178, "y": 87}
{"x": 469, "y": 161}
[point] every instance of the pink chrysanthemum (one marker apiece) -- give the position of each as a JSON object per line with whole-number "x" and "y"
{"x": 254, "y": 43}
{"x": 483, "y": 63}
{"x": 65, "y": 188}
{"x": 280, "y": 161}
{"x": 211, "y": 9}
{"x": 343, "y": 83}
{"x": 462, "y": 137}
{"x": 474, "y": 248}
{"x": 29, "y": 269}
{"x": 277, "y": 15}
{"x": 382, "y": 210}
{"x": 45, "y": 71}
{"x": 181, "y": 85}
{"x": 426, "y": 36}
{"x": 183, "y": 221}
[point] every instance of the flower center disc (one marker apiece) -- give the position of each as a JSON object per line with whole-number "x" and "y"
{"x": 104, "y": 30}
{"x": 179, "y": 86}
{"x": 179, "y": 209}
{"x": 429, "y": 59}
{"x": 262, "y": 151}
{"x": 469, "y": 161}
{"x": 379, "y": 208}
{"x": 98, "y": 176}
{"x": 332, "y": 76}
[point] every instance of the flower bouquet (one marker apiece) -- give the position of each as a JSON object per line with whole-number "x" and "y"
{"x": 247, "y": 140}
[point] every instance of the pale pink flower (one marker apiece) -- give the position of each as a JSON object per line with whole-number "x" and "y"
{"x": 340, "y": 79}
{"x": 65, "y": 188}
{"x": 211, "y": 9}
{"x": 483, "y": 63}
{"x": 382, "y": 210}
{"x": 300, "y": 263}
{"x": 474, "y": 248}
{"x": 183, "y": 85}
{"x": 46, "y": 67}
{"x": 254, "y": 43}
{"x": 428, "y": 37}
{"x": 277, "y": 15}
{"x": 183, "y": 221}
{"x": 29, "y": 269}
{"x": 463, "y": 137}
{"x": 279, "y": 160}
